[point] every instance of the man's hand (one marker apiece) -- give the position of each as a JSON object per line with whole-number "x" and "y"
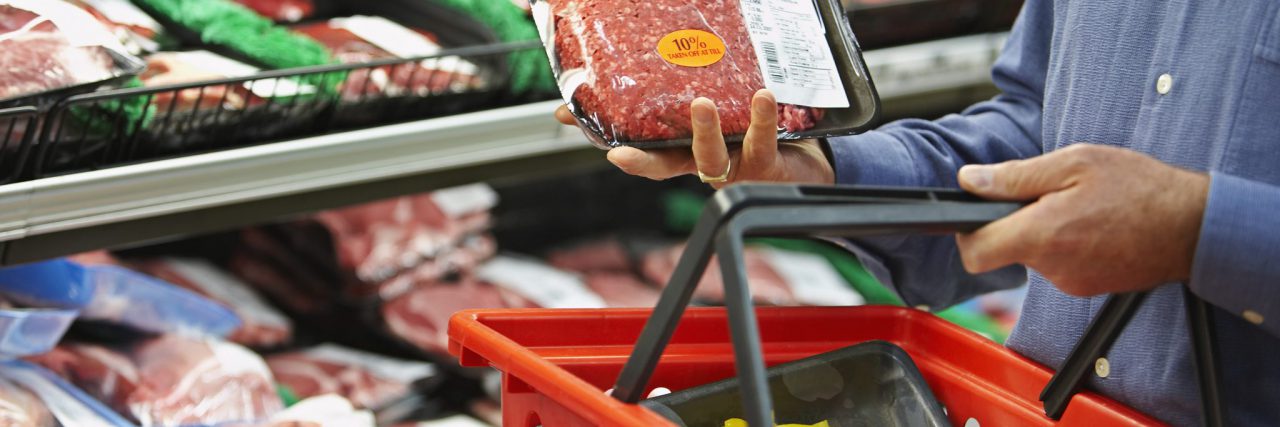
{"x": 762, "y": 157}
{"x": 1105, "y": 219}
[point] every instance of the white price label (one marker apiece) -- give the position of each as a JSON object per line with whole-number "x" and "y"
{"x": 466, "y": 199}
{"x": 79, "y": 27}
{"x": 812, "y": 278}
{"x": 376, "y": 364}
{"x": 540, "y": 283}
{"x": 123, "y": 12}
{"x": 401, "y": 42}
{"x": 795, "y": 58}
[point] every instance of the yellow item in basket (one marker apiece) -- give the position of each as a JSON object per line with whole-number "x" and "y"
{"x": 739, "y": 422}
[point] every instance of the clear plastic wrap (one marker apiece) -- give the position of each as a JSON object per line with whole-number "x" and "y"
{"x": 261, "y": 325}
{"x": 172, "y": 380}
{"x": 21, "y": 408}
{"x": 125, "y": 297}
{"x": 379, "y": 249}
{"x": 366, "y": 38}
{"x": 59, "y": 403}
{"x": 282, "y": 10}
{"x": 136, "y": 30}
{"x": 367, "y": 380}
{"x": 421, "y": 316}
{"x": 629, "y": 71}
{"x": 778, "y": 277}
{"x": 167, "y": 68}
{"x": 48, "y": 46}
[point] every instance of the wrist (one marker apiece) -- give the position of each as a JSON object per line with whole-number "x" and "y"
{"x": 1189, "y": 211}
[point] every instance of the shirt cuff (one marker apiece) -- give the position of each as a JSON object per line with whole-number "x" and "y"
{"x": 872, "y": 158}
{"x": 1234, "y": 267}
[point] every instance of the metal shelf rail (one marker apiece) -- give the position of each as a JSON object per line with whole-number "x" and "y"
{"x": 207, "y": 192}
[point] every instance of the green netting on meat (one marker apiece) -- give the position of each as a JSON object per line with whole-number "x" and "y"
{"x": 530, "y": 70}
{"x": 229, "y": 25}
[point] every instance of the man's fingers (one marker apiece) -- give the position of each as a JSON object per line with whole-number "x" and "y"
{"x": 1026, "y": 179}
{"x": 709, "y": 151}
{"x": 1009, "y": 240}
{"x": 652, "y": 164}
{"x": 760, "y": 145}
{"x": 564, "y": 116}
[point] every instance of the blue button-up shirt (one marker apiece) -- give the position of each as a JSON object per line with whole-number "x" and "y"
{"x": 1087, "y": 71}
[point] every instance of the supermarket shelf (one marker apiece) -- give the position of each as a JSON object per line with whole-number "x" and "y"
{"x": 208, "y": 192}
{"x": 911, "y": 70}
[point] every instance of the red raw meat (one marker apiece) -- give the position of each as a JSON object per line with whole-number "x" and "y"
{"x": 606, "y": 254}
{"x": 164, "y": 68}
{"x": 633, "y": 93}
{"x": 766, "y": 285}
{"x": 622, "y": 289}
{"x": 40, "y": 58}
{"x": 421, "y": 316}
{"x": 94, "y": 258}
{"x": 281, "y": 10}
{"x": 424, "y": 78}
{"x": 367, "y": 380}
{"x": 261, "y": 324}
{"x": 381, "y": 239}
{"x": 21, "y": 408}
{"x": 171, "y": 380}
{"x": 277, "y": 272}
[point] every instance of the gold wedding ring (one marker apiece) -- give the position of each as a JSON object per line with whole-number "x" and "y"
{"x": 724, "y": 177}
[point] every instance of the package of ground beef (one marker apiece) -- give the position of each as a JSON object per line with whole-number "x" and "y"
{"x": 629, "y": 70}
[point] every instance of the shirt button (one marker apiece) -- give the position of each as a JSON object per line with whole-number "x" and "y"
{"x": 1102, "y": 367}
{"x": 1253, "y": 317}
{"x": 1164, "y": 83}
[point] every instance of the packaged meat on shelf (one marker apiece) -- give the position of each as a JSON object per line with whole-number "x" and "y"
{"x": 261, "y": 324}
{"x": 376, "y": 250}
{"x": 20, "y": 407}
{"x": 630, "y": 72}
{"x": 282, "y": 10}
{"x": 235, "y": 78}
{"x": 105, "y": 292}
{"x": 136, "y": 30}
{"x": 358, "y": 39}
{"x": 171, "y": 380}
{"x": 51, "y": 48}
{"x": 365, "y": 379}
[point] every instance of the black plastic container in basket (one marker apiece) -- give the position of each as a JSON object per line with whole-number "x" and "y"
{"x": 872, "y": 383}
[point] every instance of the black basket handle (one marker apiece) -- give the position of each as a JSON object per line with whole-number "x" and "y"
{"x": 784, "y": 210}
{"x": 1102, "y": 333}
{"x": 740, "y": 211}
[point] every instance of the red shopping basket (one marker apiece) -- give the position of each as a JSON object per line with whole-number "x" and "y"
{"x": 556, "y": 364}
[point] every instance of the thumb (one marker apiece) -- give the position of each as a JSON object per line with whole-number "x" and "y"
{"x": 1013, "y": 180}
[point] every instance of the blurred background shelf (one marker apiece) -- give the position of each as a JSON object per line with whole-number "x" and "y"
{"x": 170, "y": 198}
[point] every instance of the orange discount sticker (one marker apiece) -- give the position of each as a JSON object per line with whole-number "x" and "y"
{"x": 691, "y": 48}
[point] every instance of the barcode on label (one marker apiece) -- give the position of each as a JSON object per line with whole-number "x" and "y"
{"x": 771, "y": 58}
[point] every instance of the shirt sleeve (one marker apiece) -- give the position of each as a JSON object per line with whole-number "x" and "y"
{"x": 1234, "y": 266}
{"x": 927, "y": 270}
